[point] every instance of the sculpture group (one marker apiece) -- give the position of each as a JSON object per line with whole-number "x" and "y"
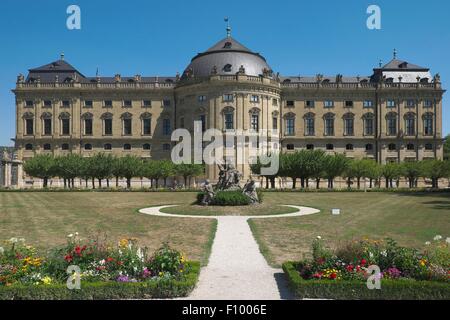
{"x": 229, "y": 178}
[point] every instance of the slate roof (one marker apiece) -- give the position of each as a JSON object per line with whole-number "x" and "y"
{"x": 400, "y": 65}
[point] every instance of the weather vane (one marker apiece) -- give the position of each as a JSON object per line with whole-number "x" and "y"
{"x": 228, "y": 27}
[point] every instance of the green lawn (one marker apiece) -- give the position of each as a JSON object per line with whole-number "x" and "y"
{"x": 46, "y": 218}
{"x": 410, "y": 219}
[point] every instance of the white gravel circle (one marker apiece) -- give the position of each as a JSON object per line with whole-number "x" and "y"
{"x": 236, "y": 269}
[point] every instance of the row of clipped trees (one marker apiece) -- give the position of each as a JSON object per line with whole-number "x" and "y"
{"x": 316, "y": 165}
{"x": 105, "y": 167}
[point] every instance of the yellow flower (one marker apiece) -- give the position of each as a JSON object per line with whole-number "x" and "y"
{"x": 423, "y": 262}
{"x": 46, "y": 280}
{"x": 161, "y": 274}
{"x": 123, "y": 243}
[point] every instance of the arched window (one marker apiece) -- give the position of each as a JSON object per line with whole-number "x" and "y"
{"x": 368, "y": 122}
{"x": 289, "y": 119}
{"x": 410, "y": 147}
{"x": 127, "y": 128}
{"x": 309, "y": 124}
{"x": 146, "y": 123}
{"x": 392, "y": 147}
{"x": 65, "y": 123}
{"x": 28, "y": 119}
{"x": 349, "y": 146}
{"x": 47, "y": 146}
{"x": 329, "y": 124}
{"x": 227, "y": 67}
{"x": 107, "y": 146}
{"x": 65, "y": 146}
{"x": 88, "y": 146}
{"x": 228, "y": 118}
{"x": 349, "y": 124}
{"x": 47, "y": 123}
{"x": 410, "y": 124}
{"x": 28, "y": 147}
{"x": 391, "y": 124}
{"x": 87, "y": 123}
{"x": 107, "y": 119}
{"x": 146, "y": 146}
{"x": 127, "y": 146}
{"x": 428, "y": 126}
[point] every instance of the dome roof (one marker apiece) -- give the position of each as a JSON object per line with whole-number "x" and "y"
{"x": 226, "y": 57}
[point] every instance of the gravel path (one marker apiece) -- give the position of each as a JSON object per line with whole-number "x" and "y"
{"x": 236, "y": 269}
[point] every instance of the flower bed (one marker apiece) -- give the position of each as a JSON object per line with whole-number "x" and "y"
{"x": 343, "y": 273}
{"x": 105, "y": 271}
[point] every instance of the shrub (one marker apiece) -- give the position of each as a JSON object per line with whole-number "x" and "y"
{"x": 230, "y": 198}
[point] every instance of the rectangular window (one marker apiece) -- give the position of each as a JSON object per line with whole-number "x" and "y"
{"x": 255, "y": 122}
{"x": 410, "y": 103}
{"x": 146, "y": 126}
{"x": 107, "y": 103}
{"x": 229, "y": 121}
{"x": 368, "y": 126}
{"x": 127, "y": 127}
{"x": 127, "y": 103}
{"x": 392, "y": 126}
{"x": 65, "y": 126}
{"x": 88, "y": 103}
{"x": 367, "y": 103}
{"x": 274, "y": 102}
{"x": 328, "y": 103}
{"x": 66, "y": 103}
{"x": 88, "y": 126}
{"x": 47, "y": 126}
{"x": 47, "y": 103}
{"x": 309, "y": 103}
{"x": 201, "y": 98}
{"x": 348, "y": 104}
{"x": 254, "y": 98}
{"x": 390, "y": 103}
{"x": 147, "y": 103}
{"x": 166, "y": 127}
{"x": 348, "y": 127}
{"x": 290, "y": 103}
{"x": 29, "y": 124}
{"x": 166, "y": 103}
{"x": 275, "y": 123}
{"x": 329, "y": 127}
{"x": 427, "y": 103}
{"x": 228, "y": 97}
{"x": 29, "y": 103}
{"x": 107, "y": 123}
{"x": 309, "y": 126}
{"x": 290, "y": 126}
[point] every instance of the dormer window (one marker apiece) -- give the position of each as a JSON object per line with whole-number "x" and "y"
{"x": 227, "y": 67}
{"x": 227, "y": 45}
{"x": 403, "y": 65}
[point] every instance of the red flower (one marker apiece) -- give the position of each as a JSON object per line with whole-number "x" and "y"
{"x": 333, "y": 275}
{"x": 68, "y": 258}
{"x": 119, "y": 263}
{"x": 109, "y": 259}
{"x": 349, "y": 268}
{"x": 320, "y": 261}
{"x": 317, "y": 275}
{"x": 363, "y": 262}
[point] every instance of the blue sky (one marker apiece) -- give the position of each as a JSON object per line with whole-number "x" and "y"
{"x": 160, "y": 37}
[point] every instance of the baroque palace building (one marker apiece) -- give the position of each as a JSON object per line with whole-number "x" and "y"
{"x": 393, "y": 114}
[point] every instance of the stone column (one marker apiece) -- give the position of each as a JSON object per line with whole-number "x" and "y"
{"x": 20, "y": 183}
{"x": 7, "y": 174}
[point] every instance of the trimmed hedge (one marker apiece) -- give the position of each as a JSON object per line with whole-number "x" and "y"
{"x": 106, "y": 290}
{"x": 226, "y": 198}
{"x": 404, "y": 289}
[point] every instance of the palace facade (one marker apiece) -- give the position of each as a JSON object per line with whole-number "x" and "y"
{"x": 392, "y": 114}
